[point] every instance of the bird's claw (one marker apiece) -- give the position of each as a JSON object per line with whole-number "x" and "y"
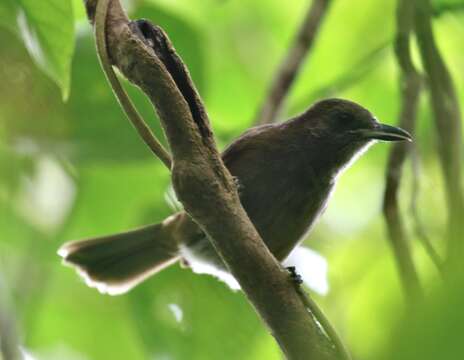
{"x": 294, "y": 276}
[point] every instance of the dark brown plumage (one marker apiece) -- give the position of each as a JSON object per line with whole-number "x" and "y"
{"x": 285, "y": 173}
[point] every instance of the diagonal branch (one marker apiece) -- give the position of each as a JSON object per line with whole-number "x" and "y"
{"x": 145, "y": 56}
{"x": 410, "y": 90}
{"x": 291, "y": 65}
{"x": 447, "y": 118}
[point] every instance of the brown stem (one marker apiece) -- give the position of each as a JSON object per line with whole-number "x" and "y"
{"x": 145, "y": 56}
{"x": 447, "y": 118}
{"x": 410, "y": 89}
{"x": 291, "y": 65}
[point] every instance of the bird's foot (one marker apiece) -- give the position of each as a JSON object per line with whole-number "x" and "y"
{"x": 294, "y": 276}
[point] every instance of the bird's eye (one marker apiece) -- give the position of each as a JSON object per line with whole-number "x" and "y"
{"x": 346, "y": 117}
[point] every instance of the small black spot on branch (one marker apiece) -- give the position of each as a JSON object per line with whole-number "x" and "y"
{"x": 91, "y": 8}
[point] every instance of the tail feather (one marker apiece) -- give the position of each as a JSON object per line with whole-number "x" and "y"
{"x": 115, "y": 264}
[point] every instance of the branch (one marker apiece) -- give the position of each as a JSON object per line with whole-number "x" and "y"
{"x": 145, "y": 56}
{"x": 291, "y": 65}
{"x": 447, "y": 118}
{"x": 410, "y": 89}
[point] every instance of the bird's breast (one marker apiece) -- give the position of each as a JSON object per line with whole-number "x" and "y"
{"x": 284, "y": 208}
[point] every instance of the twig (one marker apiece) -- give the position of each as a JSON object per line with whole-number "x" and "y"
{"x": 145, "y": 56}
{"x": 410, "y": 89}
{"x": 291, "y": 65}
{"x": 447, "y": 118}
{"x": 132, "y": 114}
{"x": 418, "y": 225}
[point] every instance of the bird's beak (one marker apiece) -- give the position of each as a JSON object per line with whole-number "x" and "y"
{"x": 386, "y": 133}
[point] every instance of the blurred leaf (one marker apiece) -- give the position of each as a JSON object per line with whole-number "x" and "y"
{"x": 111, "y": 198}
{"x": 363, "y": 274}
{"x": 353, "y": 75}
{"x": 208, "y": 326}
{"x": 31, "y": 111}
{"x": 96, "y": 326}
{"x": 114, "y": 197}
{"x": 8, "y": 14}
{"x": 440, "y": 7}
{"x": 98, "y": 128}
{"x": 433, "y": 329}
{"x": 79, "y": 10}
{"x": 47, "y": 29}
{"x": 89, "y": 128}
{"x": 365, "y": 33}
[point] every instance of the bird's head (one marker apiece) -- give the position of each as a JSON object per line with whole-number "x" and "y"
{"x": 348, "y": 122}
{"x": 344, "y": 128}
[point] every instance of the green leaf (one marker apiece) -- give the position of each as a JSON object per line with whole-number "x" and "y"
{"x": 47, "y": 30}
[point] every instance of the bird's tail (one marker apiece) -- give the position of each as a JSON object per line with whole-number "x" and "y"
{"x": 115, "y": 264}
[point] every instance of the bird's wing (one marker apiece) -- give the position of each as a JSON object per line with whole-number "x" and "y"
{"x": 251, "y": 141}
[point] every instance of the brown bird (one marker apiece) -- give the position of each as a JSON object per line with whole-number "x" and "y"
{"x": 286, "y": 173}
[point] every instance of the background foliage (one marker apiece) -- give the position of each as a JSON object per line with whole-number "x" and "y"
{"x": 75, "y": 169}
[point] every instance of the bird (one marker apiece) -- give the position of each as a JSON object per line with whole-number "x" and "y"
{"x": 286, "y": 173}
